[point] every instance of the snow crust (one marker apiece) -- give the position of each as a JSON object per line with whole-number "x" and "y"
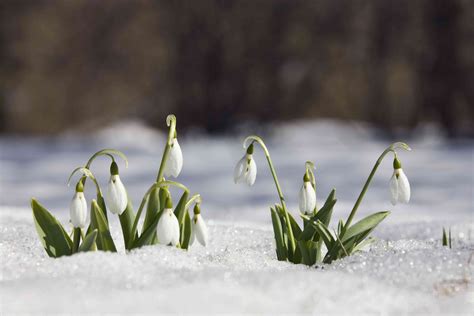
{"x": 406, "y": 271}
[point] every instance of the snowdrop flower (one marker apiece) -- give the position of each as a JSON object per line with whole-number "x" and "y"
{"x": 307, "y": 196}
{"x": 399, "y": 185}
{"x": 199, "y": 228}
{"x": 168, "y": 226}
{"x": 174, "y": 164}
{"x": 246, "y": 168}
{"x": 78, "y": 207}
{"x": 116, "y": 195}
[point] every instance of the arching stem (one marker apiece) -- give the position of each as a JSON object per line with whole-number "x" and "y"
{"x": 257, "y": 139}
{"x": 389, "y": 149}
{"x": 171, "y": 122}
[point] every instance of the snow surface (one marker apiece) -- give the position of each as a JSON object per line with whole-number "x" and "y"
{"x": 406, "y": 271}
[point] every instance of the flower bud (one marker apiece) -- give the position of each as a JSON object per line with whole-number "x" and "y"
{"x": 307, "y": 196}
{"x": 168, "y": 226}
{"x": 174, "y": 164}
{"x": 199, "y": 229}
{"x": 399, "y": 185}
{"x": 246, "y": 168}
{"x": 116, "y": 196}
{"x": 78, "y": 207}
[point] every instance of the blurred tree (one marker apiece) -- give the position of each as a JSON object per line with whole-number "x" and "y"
{"x": 216, "y": 63}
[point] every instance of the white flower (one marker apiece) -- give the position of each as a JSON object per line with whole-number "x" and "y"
{"x": 199, "y": 230}
{"x": 168, "y": 228}
{"x": 246, "y": 170}
{"x": 307, "y": 198}
{"x": 399, "y": 187}
{"x": 174, "y": 164}
{"x": 116, "y": 195}
{"x": 78, "y": 210}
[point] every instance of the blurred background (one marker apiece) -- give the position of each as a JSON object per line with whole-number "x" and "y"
{"x": 79, "y": 65}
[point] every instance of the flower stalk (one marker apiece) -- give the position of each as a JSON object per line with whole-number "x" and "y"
{"x": 247, "y": 142}
{"x": 171, "y": 123}
{"x": 389, "y": 149}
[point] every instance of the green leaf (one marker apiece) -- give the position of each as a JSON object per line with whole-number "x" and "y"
{"x": 281, "y": 250}
{"x": 294, "y": 225}
{"x": 362, "y": 244}
{"x": 147, "y": 236}
{"x": 324, "y": 215}
{"x": 179, "y": 211}
{"x": 126, "y": 222}
{"x": 324, "y": 233}
{"x": 305, "y": 257}
{"x": 104, "y": 240}
{"x": 366, "y": 224}
{"x": 153, "y": 207}
{"x": 88, "y": 242}
{"x": 52, "y": 235}
{"x": 445, "y": 237}
{"x": 186, "y": 231}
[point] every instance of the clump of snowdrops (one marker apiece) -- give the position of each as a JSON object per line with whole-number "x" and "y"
{"x": 162, "y": 224}
{"x": 304, "y": 244}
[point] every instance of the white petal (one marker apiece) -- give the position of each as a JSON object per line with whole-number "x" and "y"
{"x": 200, "y": 229}
{"x": 251, "y": 171}
{"x": 403, "y": 187}
{"x": 175, "y": 225}
{"x": 116, "y": 195}
{"x": 307, "y": 198}
{"x": 174, "y": 164}
{"x": 168, "y": 228}
{"x": 394, "y": 189}
{"x": 193, "y": 235}
{"x": 239, "y": 169}
{"x": 78, "y": 210}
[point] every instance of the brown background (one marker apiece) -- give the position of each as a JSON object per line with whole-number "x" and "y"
{"x": 80, "y": 64}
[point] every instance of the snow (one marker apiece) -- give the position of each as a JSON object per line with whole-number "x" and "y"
{"x": 406, "y": 271}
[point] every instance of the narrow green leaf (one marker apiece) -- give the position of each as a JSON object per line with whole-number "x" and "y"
{"x": 127, "y": 219}
{"x": 104, "y": 240}
{"x": 305, "y": 257}
{"x": 153, "y": 207}
{"x": 324, "y": 233}
{"x": 147, "y": 236}
{"x": 445, "y": 237}
{"x": 76, "y": 239}
{"x": 51, "y": 233}
{"x": 294, "y": 225}
{"x": 364, "y": 225}
{"x": 281, "y": 250}
{"x": 362, "y": 244}
{"x": 449, "y": 239}
{"x": 179, "y": 211}
{"x": 186, "y": 231}
{"x": 88, "y": 242}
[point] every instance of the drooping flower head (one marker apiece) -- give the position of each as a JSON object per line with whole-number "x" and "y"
{"x": 399, "y": 185}
{"x": 307, "y": 196}
{"x": 199, "y": 228}
{"x": 116, "y": 196}
{"x": 174, "y": 164}
{"x": 168, "y": 226}
{"x": 246, "y": 169}
{"x": 78, "y": 207}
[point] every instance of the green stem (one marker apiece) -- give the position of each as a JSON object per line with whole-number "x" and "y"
{"x": 195, "y": 197}
{"x": 171, "y": 122}
{"x": 257, "y": 139}
{"x": 391, "y": 148}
